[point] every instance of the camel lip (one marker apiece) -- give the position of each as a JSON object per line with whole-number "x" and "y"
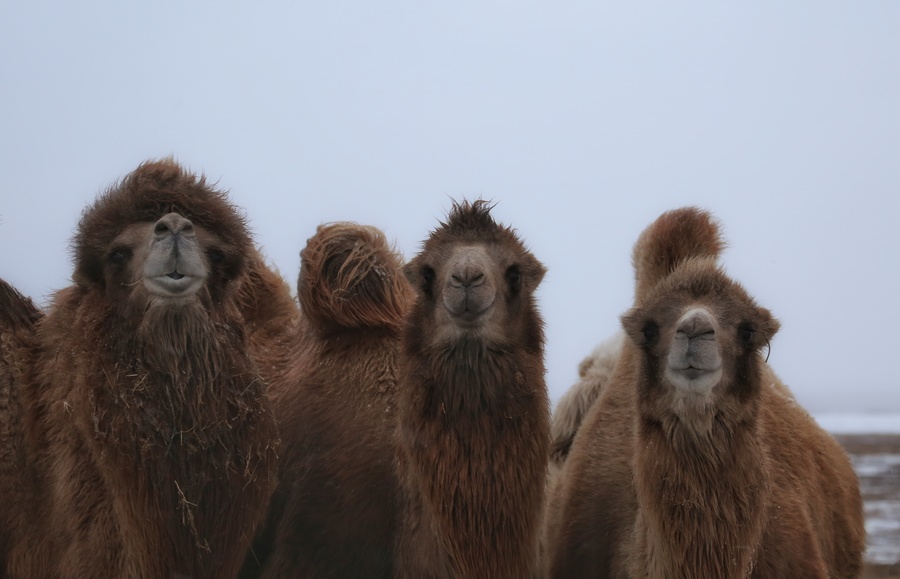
{"x": 469, "y": 319}
{"x": 173, "y": 284}
{"x": 694, "y": 380}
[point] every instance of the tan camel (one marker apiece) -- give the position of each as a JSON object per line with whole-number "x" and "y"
{"x": 694, "y": 462}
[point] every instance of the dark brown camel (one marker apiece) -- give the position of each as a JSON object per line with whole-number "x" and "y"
{"x": 145, "y": 421}
{"x": 473, "y": 411}
{"x": 333, "y": 387}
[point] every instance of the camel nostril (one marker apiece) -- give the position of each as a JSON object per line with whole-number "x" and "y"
{"x": 173, "y": 224}
{"x": 467, "y": 280}
{"x": 696, "y": 323}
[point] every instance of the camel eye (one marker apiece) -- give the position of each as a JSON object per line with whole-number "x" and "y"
{"x": 746, "y": 333}
{"x": 514, "y": 278}
{"x": 427, "y": 276}
{"x": 119, "y": 256}
{"x": 216, "y": 257}
{"x": 650, "y": 332}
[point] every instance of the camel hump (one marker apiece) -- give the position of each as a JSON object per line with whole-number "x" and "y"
{"x": 351, "y": 277}
{"x": 17, "y": 312}
{"x": 675, "y": 237}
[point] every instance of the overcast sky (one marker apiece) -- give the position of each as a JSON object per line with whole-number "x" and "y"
{"x": 583, "y": 121}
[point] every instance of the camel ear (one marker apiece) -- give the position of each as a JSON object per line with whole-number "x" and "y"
{"x": 534, "y": 272}
{"x": 88, "y": 271}
{"x": 766, "y": 323}
{"x": 420, "y": 276}
{"x": 539, "y": 272}
{"x": 641, "y": 330}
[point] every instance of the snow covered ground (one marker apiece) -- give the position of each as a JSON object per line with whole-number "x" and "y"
{"x": 873, "y": 443}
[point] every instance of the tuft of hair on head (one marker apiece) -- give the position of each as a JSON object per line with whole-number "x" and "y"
{"x": 673, "y": 238}
{"x": 351, "y": 277}
{"x": 470, "y": 217}
{"x": 151, "y": 191}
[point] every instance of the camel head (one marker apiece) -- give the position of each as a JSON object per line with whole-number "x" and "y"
{"x": 160, "y": 237}
{"x": 700, "y": 335}
{"x": 474, "y": 278}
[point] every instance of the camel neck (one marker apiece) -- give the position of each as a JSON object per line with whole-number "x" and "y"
{"x": 702, "y": 499}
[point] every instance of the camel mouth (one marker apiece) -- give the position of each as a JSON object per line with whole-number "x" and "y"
{"x": 469, "y": 319}
{"x": 694, "y": 380}
{"x": 173, "y": 285}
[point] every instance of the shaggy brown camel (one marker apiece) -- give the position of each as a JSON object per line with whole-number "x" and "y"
{"x": 473, "y": 411}
{"x": 146, "y": 423}
{"x": 333, "y": 387}
{"x": 696, "y": 461}
{"x": 18, "y": 483}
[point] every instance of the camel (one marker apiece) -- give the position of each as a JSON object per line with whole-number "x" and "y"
{"x": 473, "y": 413}
{"x": 18, "y": 320}
{"x": 145, "y": 423}
{"x": 332, "y": 381}
{"x": 695, "y": 461}
{"x": 594, "y": 372}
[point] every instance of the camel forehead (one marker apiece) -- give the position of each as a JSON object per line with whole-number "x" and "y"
{"x": 699, "y": 284}
{"x": 488, "y": 250}
{"x": 151, "y": 192}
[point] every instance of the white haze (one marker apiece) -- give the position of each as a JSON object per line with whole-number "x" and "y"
{"x": 582, "y": 120}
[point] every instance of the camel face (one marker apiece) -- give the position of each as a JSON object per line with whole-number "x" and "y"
{"x": 475, "y": 279}
{"x": 171, "y": 260}
{"x": 474, "y": 290}
{"x": 699, "y": 332}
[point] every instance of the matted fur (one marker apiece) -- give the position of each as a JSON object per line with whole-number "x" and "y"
{"x": 473, "y": 413}
{"x": 748, "y": 486}
{"x": 348, "y": 278}
{"x": 18, "y": 320}
{"x": 146, "y": 422}
{"x": 333, "y": 387}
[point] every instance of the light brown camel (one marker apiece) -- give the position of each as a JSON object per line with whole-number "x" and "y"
{"x": 333, "y": 389}
{"x": 694, "y": 461}
{"x": 472, "y": 406}
{"x": 594, "y": 372}
{"x": 146, "y": 422}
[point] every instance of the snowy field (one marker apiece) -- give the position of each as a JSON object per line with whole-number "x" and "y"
{"x": 873, "y": 443}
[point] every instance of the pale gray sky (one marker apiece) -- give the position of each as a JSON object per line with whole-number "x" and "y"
{"x": 582, "y": 120}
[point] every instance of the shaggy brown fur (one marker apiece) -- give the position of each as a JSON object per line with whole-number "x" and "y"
{"x": 18, "y": 320}
{"x": 473, "y": 410}
{"x": 333, "y": 390}
{"x": 695, "y": 472}
{"x": 148, "y": 422}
